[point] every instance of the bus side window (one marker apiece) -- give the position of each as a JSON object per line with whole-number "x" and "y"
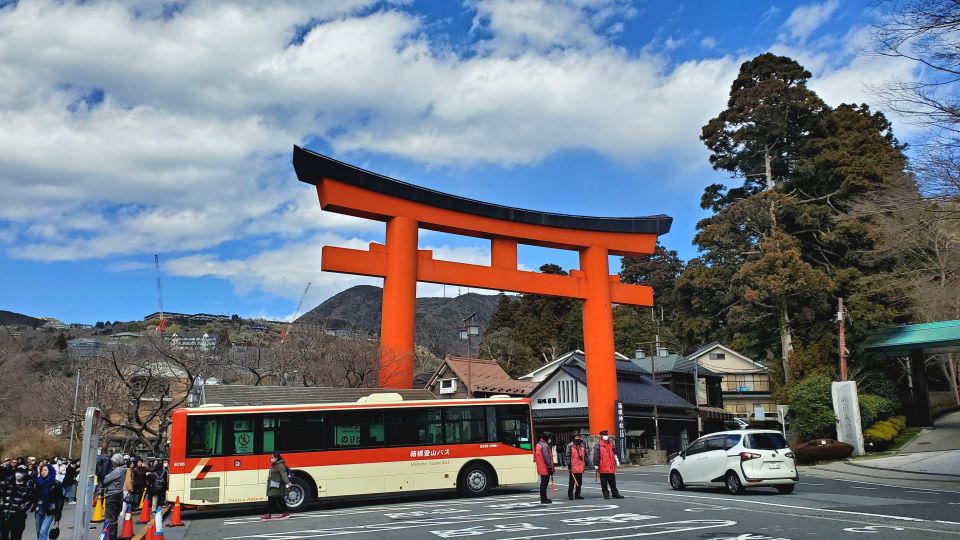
{"x": 269, "y": 434}
{"x": 243, "y": 431}
{"x": 491, "y": 424}
{"x": 357, "y": 429}
{"x": 412, "y": 427}
{"x": 204, "y": 437}
{"x": 464, "y": 425}
{"x": 515, "y": 426}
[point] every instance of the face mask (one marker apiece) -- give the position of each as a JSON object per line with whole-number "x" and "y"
{"x": 606, "y": 437}
{"x": 20, "y": 477}
{"x": 273, "y": 460}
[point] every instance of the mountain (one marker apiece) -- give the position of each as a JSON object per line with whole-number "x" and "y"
{"x": 18, "y": 319}
{"x": 438, "y": 319}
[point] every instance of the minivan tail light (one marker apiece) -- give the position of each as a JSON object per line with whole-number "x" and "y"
{"x": 747, "y": 456}
{"x": 789, "y": 455}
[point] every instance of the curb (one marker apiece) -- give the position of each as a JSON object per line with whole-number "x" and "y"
{"x": 902, "y": 471}
{"x": 816, "y": 468}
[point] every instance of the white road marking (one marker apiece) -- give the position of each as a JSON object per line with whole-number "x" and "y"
{"x": 892, "y": 486}
{"x": 810, "y": 484}
{"x": 792, "y": 506}
{"x": 544, "y": 511}
{"x": 337, "y": 512}
{"x": 662, "y": 529}
{"x": 870, "y": 529}
{"x": 862, "y": 487}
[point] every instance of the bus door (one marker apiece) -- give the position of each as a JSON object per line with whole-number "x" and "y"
{"x": 243, "y": 464}
{"x": 204, "y": 460}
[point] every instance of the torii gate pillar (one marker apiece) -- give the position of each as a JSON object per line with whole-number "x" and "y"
{"x": 399, "y": 301}
{"x": 406, "y": 209}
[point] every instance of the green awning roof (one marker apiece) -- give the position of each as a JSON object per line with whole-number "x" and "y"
{"x": 932, "y": 338}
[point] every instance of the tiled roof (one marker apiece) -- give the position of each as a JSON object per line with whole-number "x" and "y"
{"x": 637, "y": 391}
{"x": 236, "y": 395}
{"x": 487, "y": 376}
{"x": 673, "y": 363}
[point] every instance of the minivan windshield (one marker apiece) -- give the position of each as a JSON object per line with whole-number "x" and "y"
{"x": 765, "y": 441}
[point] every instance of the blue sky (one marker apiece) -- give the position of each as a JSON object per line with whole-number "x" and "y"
{"x": 133, "y": 129}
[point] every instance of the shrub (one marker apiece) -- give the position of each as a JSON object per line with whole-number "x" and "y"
{"x": 34, "y": 442}
{"x": 873, "y": 408}
{"x": 881, "y": 434}
{"x": 811, "y": 407}
{"x": 821, "y": 450}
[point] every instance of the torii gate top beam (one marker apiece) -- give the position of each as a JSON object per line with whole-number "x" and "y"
{"x": 346, "y": 189}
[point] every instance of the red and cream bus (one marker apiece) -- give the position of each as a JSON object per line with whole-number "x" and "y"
{"x": 381, "y": 444}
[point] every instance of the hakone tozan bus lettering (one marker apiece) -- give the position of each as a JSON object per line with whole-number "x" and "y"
{"x": 381, "y": 444}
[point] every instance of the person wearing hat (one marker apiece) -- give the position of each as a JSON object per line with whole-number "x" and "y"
{"x": 543, "y": 457}
{"x": 18, "y": 495}
{"x": 576, "y": 457}
{"x": 605, "y": 459}
{"x": 278, "y": 482}
{"x": 112, "y": 489}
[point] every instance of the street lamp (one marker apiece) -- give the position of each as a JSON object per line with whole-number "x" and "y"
{"x": 469, "y": 330}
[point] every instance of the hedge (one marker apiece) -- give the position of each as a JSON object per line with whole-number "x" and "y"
{"x": 821, "y": 450}
{"x": 811, "y": 407}
{"x": 881, "y": 434}
{"x": 874, "y": 408}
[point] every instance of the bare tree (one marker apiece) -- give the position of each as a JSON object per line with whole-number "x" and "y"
{"x": 137, "y": 387}
{"x": 927, "y": 32}
{"x": 920, "y": 239}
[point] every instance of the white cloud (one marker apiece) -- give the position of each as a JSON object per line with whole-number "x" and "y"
{"x": 708, "y": 42}
{"x": 285, "y": 271}
{"x": 125, "y": 130}
{"x": 804, "y": 20}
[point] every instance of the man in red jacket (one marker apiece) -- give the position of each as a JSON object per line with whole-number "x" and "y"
{"x": 605, "y": 459}
{"x": 577, "y": 461}
{"x": 543, "y": 457}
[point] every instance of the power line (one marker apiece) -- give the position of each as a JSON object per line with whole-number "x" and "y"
{"x": 15, "y": 340}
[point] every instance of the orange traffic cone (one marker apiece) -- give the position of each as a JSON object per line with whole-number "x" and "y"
{"x": 158, "y": 525}
{"x": 127, "y": 531}
{"x": 98, "y": 511}
{"x": 149, "y": 533}
{"x": 144, "y": 512}
{"x": 175, "y": 518}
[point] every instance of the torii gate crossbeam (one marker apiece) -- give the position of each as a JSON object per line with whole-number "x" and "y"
{"x": 406, "y": 208}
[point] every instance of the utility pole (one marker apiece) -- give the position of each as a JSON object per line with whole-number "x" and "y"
{"x": 73, "y": 415}
{"x": 841, "y": 315}
{"x": 656, "y": 413}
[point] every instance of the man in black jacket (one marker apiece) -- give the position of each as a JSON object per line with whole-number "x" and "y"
{"x": 18, "y": 495}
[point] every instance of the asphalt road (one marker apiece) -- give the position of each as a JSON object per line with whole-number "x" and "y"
{"x": 820, "y": 507}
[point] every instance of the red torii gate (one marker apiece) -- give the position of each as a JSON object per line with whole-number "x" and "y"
{"x": 406, "y": 208}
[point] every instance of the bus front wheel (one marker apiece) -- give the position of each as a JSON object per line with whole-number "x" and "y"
{"x": 299, "y": 495}
{"x": 475, "y": 480}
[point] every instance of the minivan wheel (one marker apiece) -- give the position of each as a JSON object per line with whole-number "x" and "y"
{"x": 475, "y": 480}
{"x": 786, "y": 490}
{"x": 676, "y": 481}
{"x": 732, "y": 481}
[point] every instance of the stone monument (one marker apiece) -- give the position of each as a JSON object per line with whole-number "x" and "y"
{"x": 846, "y": 406}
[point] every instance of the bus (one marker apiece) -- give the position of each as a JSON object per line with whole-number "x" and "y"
{"x": 379, "y": 445}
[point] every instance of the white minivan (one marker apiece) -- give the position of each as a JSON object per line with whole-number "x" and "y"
{"x": 736, "y": 460}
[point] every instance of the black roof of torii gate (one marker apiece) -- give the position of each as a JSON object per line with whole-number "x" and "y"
{"x": 312, "y": 168}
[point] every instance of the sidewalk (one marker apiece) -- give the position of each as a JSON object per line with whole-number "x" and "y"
{"x": 935, "y": 451}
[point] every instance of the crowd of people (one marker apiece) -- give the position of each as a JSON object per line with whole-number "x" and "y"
{"x": 604, "y": 459}
{"x": 44, "y": 487}
{"x": 126, "y": 482}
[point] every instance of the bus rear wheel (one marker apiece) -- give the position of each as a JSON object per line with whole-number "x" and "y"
{"x": 299, "y": 495}
{"x": 475, "y": 480}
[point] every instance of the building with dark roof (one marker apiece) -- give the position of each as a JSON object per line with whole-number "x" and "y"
{"x": 559, "y": 406}
{"x": 459, "y": 377}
